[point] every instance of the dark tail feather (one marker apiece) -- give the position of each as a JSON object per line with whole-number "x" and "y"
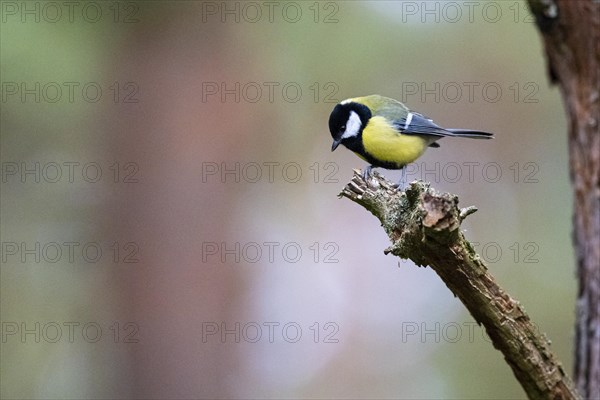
{"x": 468, "y": 133}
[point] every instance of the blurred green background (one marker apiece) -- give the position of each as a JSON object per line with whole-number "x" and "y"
{"x": 167, "y": 174}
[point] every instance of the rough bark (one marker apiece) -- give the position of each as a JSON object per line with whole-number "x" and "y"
{"x": 571, "y": 34}
{"x": 424, "y": 226}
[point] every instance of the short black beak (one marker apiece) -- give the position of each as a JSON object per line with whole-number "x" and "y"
{"x": 335, "y": 144}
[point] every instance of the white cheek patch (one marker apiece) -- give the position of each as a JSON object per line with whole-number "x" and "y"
{"x": 352, "y": 126}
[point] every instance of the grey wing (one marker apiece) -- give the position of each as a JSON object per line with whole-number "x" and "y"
{"x": 418, "y": 124}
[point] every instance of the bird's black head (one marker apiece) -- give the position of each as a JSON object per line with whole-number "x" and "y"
{"x": 346, "y": 123}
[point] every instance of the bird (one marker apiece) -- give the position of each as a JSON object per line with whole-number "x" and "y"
{"x": 386, "y": 133}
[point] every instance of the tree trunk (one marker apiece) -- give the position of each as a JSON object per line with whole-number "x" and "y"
{"x": 571, "y": 33}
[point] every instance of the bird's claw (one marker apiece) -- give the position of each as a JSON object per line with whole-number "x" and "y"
{"x": 366, "y": 174}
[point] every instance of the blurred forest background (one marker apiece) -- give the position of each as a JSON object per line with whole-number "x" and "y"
{"x": 167, "y": 174}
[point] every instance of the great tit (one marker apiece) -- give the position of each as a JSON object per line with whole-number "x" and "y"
{"x": 386, "y": 133}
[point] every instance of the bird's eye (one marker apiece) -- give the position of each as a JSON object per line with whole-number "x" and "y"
{"x": 343, "y": 127}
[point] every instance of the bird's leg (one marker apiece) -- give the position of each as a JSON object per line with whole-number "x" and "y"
{"x": 367, "y": 172}
{"x": 402, "y": 182}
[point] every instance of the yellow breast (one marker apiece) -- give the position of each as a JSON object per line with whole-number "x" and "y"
{"x": 385, "y": 143}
